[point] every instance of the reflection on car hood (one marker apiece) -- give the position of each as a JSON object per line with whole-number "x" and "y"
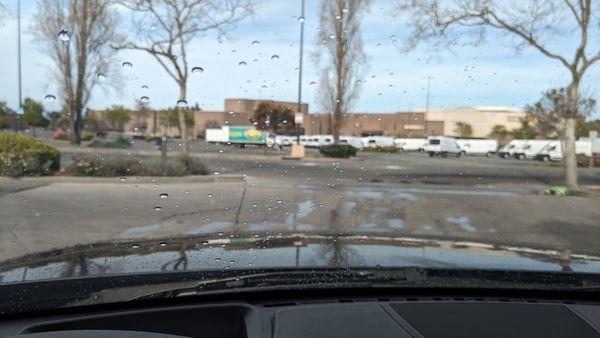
{"x": 303, "y": 250}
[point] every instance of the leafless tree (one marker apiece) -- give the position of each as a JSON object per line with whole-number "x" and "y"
{"x": 340, "y": 54}
{"x": 77, "y": 35}
{"x": 548, "y": 111}
{"x": 526, "y": 23}
{"x": 164, "y": 29}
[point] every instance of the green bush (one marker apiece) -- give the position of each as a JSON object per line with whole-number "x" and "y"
{"x": 122, "y": 166}
{"x": 87, "y": 137}
{"x": 120, "y": 142}
{"x": 25, "y": 156}
{"x": 388, "y": 149}
{"x": 338, "y": 150}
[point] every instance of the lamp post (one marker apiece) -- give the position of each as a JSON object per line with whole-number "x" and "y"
{"x": 19, "y": 52}
{"x": 298, "y": 149}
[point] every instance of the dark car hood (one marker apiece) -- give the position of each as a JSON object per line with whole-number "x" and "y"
{"x": 302, "y": 250}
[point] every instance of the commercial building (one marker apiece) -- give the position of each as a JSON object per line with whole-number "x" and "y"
{"x": 415, "y": 123}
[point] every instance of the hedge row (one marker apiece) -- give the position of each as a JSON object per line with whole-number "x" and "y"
{"x": 124, "y": 166}
{"x": 25, "y": 156}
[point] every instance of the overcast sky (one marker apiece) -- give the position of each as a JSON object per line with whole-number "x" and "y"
{"x": 489, "y": 75}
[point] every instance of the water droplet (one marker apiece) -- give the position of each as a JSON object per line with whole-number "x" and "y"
{"x": 163, "y": 195}
{"x": 255, "y": 43}
{"x": 301, "y": 19}
{"x": 144, "y": 87}
{"x": 187, "y": 192}
{"x": 163, "y": 244}
{"x": 211, "y": 195}
{"x": 127, "y": 64}
{"x": 312, "y": 83}
{"x": 216, "y": 173}
{"x": 182, "y": 103}
{"x": 135, "y": 246}
{"x": 231, "y": 112}
{"x": 64, "y": 35}
{"x": 50, "y": 97}
{"x": 242, "y": 63}
{"x": 263, "y": 86}
{"x": 101, "y": 76}
{"x": 332, "y": 36}
{"x": 158, "y": 208}
{"x": 144, "y": 99}
{"x": 123, "y": 179}
{"x": 275, "y": 57}
{"x": 197, "y": 70}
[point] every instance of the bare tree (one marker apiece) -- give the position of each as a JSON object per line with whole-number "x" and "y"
{"x": 527, "y": 23}
{"x": 77, "y": 35}
{"x": 341, "y": 56}
{"x": 549, "y": 110}
{"x": 165, "y": 27}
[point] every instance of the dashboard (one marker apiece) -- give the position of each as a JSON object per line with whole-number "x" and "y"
{"x": 326, "y": 317}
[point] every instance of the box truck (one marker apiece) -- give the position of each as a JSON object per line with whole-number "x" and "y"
{"x": 241, "y": 135}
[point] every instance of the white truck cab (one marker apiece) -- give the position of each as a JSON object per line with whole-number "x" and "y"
{"x": 442, "y": 145}
{"x": 553, "y": 150}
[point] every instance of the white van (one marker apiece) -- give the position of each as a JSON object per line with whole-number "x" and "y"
{"x": 509, "y": 149}
{"x": 285, "y": 140}
{"x": 377, "y": 141}
{"x": 530, "y": 149}
{"x": 411, "y": 144}
{"x": 486, "y": 147}
{"x": 351, "y": 140}
{"x": 442, "y": 145}
{"x": 553, "y": 150}
{"x": 321, "y": 140}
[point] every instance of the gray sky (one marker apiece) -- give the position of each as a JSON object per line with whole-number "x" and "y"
{"x": 491, "y": 74}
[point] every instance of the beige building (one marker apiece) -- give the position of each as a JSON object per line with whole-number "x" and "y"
{"x": 481, "y": 119}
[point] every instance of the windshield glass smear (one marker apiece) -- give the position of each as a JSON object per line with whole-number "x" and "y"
{"x": 213, "y": 135}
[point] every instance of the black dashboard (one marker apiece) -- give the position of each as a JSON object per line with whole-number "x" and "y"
{"x": 326, "y": 317}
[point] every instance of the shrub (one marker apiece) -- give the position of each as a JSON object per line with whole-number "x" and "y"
{"x": 87, "y": 137}
{"x": 120, "y": 142}
{"x": 25, "y": 156}
{"x": 121, "y": 166}
{"x": 338, "y": 150}
{"x": 584, "y": 160}
{"x": 379, "y": 149}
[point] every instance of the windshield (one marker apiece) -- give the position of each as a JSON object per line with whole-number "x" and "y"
{"x": 216, "y": 134}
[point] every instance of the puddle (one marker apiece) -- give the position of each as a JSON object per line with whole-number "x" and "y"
{"x": 396, "y": 223}
{"x": 145, "y": 229}
{"x": 211, "y": 227}
{"x": 463, "y": 222}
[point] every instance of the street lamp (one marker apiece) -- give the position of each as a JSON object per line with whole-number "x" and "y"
{"x": 298, "y": 149}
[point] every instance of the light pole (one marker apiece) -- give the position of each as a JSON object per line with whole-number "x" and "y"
{"x": 298, "y": 149}
{"x": 19, "y": 51}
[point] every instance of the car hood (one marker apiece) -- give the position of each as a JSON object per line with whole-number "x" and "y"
{"x": 292, "y": 250}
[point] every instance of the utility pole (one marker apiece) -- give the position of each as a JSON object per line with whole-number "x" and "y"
{"x": 19, "y": 51}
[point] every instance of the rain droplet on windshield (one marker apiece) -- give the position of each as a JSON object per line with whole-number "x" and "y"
{"x": 158, "y": 208}
{"x": 135, "y": 246}
{"x": 216, "y": 173}
{"x": 127, "y": 64}
{"x": 144, "y": 99}
{"x": 144, "y": 87}
{"x": 197, "y": 70}
{"x": 255, "y": 43}
{"x": 64, "y": 35}
{"x": 101, "y": 76}
{"x": 301, "y": 19}
{"x": 123, "y": 179}
{"x": 242, "y": 63}
{"x": 49, "y": 97}
{"x": 182, "y": 103}
{"x": 163, "y": 195}
{"x": 312, "y": 83}
{"x": 275, "y": 57}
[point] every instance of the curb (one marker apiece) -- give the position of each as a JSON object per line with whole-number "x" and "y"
{"x": 117, "y": 180}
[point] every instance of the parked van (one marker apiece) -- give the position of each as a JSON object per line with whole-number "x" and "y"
{"x": 553, "y": 150}
{"x": 351, "y": 140}
{"x": 530, "y": 149}
{"x": 410, "y": 144}
{"x": 509, "y": 149}
{"x": 442, "y": 145}
{"x": 486, "y": 147}
{"x": 285, "y": 140}
{"x": 377, "y": 141}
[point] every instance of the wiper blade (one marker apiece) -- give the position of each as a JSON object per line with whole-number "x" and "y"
{"x": 276, "y": 279}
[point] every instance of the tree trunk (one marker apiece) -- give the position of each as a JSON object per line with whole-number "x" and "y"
{"x": 181, "y": 115}
{"x": 569, "y": 155}
{"x": 75, "y": 129}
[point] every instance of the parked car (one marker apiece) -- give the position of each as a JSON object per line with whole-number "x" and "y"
{"x": 487, "y": 147}
{"x": 411, "y": 144}
{"x": 442, "y": 145}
